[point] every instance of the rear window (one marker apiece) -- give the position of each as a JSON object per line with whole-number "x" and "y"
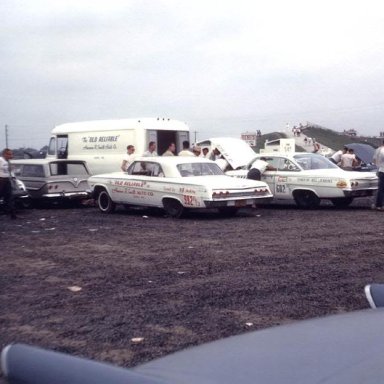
{"x": 76, "y": 169}
{"x": 199, "y": 169}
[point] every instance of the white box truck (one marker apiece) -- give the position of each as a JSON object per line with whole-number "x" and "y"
{"x": 102, "y": 144}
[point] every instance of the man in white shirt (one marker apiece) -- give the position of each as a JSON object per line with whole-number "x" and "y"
{"x": 378, "y": 159}
{"x": 348, "y": 160}
{"x": 128, "y": 158}
{"x": 258, "y": 168}
{"x": 336, "y": 157}
{"x": 5, "y": 182}
{"x": 186, "y": 150}
{"x": 170, "y": 151}
{"x": 151, "y": 150}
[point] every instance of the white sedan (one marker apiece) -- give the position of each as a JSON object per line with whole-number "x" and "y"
{"x": 176, "y": 184}
{"x": 307, "y": 178}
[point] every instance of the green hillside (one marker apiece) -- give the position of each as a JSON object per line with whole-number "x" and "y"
{"x": 337, "y": 140}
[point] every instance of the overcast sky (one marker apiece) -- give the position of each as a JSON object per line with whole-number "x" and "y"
{"x": 223, "y": 67}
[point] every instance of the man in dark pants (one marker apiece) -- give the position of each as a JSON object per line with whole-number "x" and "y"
{"x": 5, "y": 183}
{"x": 258, "y": 168}
{"x": 378, "y": 159}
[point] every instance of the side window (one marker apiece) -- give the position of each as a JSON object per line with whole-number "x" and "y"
{"x": 143, "y": 168}
{"x": 32, "y": 171}
{"x": 52, "y": 146}
{"x": 273, "y": 161}
{"x": 157, "y": 170}
{"x": 287, "y": 165}
{"x": 135, "y": 168}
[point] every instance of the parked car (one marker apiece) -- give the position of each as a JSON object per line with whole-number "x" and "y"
{"x": 307, "y": 178}
{"x": 49, "y": 180}
{"x": 365, "y": 153}
{"x": 176, "y": 184}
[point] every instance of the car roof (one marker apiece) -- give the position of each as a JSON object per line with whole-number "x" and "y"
{"x": 174, "y": 159}
{"x": 45, "y": 161}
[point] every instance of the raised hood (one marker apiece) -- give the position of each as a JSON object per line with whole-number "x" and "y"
{"x": 236, "y": 151}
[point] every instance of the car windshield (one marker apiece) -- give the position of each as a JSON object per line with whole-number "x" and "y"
{"x": 312, "y": 161}
{"x": 199, "y": 169}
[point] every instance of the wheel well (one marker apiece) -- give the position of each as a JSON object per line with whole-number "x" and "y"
{"x": 171, "y": 199}
{"x": 298, "y": 191}
{"x": 97, "y": 190}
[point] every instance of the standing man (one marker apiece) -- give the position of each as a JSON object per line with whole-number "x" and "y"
{"x": 378, "y": 159}
{"x": 186, "y": 151}
{"x": 151, "y": 150}
{"x": 128, "y": 158}
{"x": 5, "y": 182}
{"x": 336, "y": 157}
{"x": 348, "y": 160}
{"x": 171, "y": 150}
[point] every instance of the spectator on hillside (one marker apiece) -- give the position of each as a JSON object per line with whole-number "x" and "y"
{"x": 316, "y": 146}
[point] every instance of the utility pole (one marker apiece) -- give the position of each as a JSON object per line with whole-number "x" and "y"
{"x": 6, "y": 136}
{"x": 195, "y": 132}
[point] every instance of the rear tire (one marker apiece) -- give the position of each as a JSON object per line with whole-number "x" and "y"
{"x": 105, "y": 203}
{"x": 342, "y": 202}
{"x": 173, "y": 208}
{"x": 306, "y": 199}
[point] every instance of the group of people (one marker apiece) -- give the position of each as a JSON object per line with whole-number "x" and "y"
{"x": 195, "y": 151}
{"x": 345, "y": 158}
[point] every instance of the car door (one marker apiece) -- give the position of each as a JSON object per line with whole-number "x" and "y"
{"x": 286, "y": 171}
{"x": 269, "y": 176}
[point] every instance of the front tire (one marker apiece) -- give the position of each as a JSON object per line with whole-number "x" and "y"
{"x": 173, "y": 208}
{"x": 306, "y": 199}
{"x": 105, "y": 203}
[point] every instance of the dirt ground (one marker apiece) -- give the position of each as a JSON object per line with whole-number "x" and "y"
{"x": 132, "y": 286}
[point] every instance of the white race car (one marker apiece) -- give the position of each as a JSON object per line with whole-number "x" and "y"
{"x": 308, "y": 177}
{"x": 175, "y": 184}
